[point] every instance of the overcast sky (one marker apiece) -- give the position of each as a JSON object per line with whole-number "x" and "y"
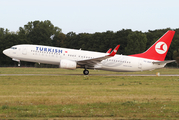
{"x": 91, "y": 16}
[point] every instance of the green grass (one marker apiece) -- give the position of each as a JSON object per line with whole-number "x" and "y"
{"x": 96, "y": 97}
{"x": 17, "y": 70}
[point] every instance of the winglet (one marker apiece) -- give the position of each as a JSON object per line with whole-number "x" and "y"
{"x": 109, "y": 51}
{"x": 113, "y": 53}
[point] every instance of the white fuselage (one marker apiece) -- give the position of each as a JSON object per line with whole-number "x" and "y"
{"x": 53, "y": 55}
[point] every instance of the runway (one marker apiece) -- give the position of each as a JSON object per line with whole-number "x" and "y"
{"x": 88, "y": 75}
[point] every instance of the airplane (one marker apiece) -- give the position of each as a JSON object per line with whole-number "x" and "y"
{"x": 151, "y": 59}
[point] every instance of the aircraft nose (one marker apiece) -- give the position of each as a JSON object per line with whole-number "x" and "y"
{"x": 6, "y": 51}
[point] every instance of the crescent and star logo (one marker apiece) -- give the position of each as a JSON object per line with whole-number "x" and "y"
{"x": 161, "y": 47}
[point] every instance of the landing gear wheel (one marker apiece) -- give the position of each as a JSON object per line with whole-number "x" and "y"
{"x": 19, "y": 64}
{"x": 85, "y": 72}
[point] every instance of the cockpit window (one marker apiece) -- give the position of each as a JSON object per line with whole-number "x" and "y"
{"x": 13, "y": 47}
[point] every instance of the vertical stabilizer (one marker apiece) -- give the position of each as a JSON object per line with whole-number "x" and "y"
{"x": 159, "y": 49}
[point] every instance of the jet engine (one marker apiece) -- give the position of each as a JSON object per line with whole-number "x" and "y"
{"x": 67, "y": 64}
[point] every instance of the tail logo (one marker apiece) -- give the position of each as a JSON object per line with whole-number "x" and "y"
{"x": 161, "y": 47}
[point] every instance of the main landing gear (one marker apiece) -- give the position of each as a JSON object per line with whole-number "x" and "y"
{"x": 85, "y": 72}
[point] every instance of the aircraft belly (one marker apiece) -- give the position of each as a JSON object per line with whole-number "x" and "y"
{"x": 117, "y": 67}
{"x": 38, "y": 59}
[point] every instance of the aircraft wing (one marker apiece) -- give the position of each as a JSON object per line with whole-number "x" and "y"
{"x": 94, "y": 61}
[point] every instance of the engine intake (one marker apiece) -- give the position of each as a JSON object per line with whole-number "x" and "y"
{"x": 67, "y": 64}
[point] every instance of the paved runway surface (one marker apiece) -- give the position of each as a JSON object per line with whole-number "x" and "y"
{"x": 83, "y": 75}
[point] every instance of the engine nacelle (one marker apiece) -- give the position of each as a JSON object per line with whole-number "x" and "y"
{"x": 67, "y": 64}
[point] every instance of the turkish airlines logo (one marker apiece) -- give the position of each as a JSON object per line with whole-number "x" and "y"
{"x": 161, "y": 47}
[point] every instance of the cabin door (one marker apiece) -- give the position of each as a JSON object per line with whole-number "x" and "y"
{"x": 140, "y": 64}
{"x": 24, "y": 51}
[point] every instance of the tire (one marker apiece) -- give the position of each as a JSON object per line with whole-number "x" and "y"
{"x": 85, "y": 72}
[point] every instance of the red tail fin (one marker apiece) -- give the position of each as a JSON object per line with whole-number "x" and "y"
{"x": 159, "y": 49}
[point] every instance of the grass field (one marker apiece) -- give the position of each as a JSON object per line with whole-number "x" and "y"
{"x": 83, "y": 97}
{"x": 17, "y": 70}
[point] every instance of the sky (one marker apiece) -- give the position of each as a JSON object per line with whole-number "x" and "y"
{"x": 90, "y": 16}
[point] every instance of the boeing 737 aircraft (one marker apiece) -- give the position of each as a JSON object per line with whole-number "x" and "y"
{"x": 66, "y": 58}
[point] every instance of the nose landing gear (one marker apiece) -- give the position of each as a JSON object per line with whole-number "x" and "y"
{"x": 19, "y": 64}
{"x": 85, "y": 72}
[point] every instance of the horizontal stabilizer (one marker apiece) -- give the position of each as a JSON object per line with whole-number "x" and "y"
{"x": 164, "y": 62}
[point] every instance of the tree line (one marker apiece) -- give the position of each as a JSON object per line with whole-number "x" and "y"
{"x": 45, "y": 33}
